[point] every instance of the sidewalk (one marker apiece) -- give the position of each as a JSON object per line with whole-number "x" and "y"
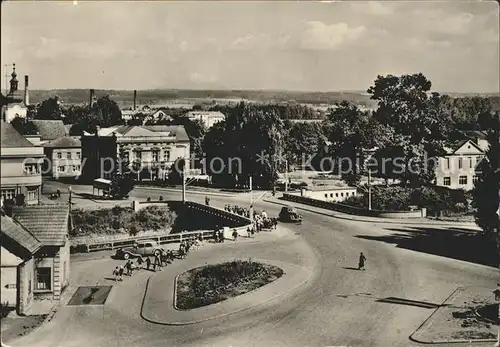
{"x": 339, "y": 215}
{"x": 191, "y": 191}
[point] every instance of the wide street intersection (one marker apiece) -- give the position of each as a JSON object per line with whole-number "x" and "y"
{"x": 337, "y": 307}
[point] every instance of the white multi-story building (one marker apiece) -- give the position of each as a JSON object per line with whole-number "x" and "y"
{"x": 208, "y": 118}
{"x": 456, "y": 170}
{"x": 150, "y": 150}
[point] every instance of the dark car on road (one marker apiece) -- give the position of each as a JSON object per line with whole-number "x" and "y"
{"x": 139, "y": 249}
{"x": 289, "y": 214}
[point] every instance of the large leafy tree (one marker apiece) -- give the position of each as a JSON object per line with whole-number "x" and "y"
{"x": 250, "y": 142}
{"x": 486, "y": 193}
{"x": 351, "y": 131}
{"x": 303, "y": 141}
{"x": 49, "y": 109}
{"x": 24, "y": 126}
{"x": 417, "y": 121}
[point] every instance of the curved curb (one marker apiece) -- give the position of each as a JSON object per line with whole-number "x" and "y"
{"x": 229, "y": 313}
{"x": 432, "y": 342}
{"x": 388, "y": 221}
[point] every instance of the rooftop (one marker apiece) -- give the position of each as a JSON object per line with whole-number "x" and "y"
{"x": 64, "y": 142}
{"x": 50, "y": 129}
{"x": 48, "y": 223}
{"x": 20, "y": 235}
{"x": 328, "y": 188}
{"x": 176, "y": 131}
{"x": 10, "y": 138}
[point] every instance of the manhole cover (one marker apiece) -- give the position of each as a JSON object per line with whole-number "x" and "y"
{"x": 90, "y": 295}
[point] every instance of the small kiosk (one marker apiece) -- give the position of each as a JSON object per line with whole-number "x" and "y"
{"x": 103, "y": 186}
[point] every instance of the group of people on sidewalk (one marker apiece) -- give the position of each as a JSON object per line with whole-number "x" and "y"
{"x": 163, "y": 258}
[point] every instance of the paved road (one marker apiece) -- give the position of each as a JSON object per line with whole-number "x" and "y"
{"x": 339, "y": 308}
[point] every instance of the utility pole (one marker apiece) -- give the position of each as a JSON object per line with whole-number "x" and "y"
{"x": 251, "y": 198}
{"x": 369, "y": 189}
{"x": 69, "y": 198}
{"x": 286, "y": 175}
{"x": 183, "y": 174}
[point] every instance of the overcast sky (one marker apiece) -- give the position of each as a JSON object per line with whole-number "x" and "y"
{"x": 309, "y": 46}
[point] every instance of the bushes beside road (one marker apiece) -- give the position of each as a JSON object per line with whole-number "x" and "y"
{"x": 121, "y": 220}
{"x": 437, "y": 200}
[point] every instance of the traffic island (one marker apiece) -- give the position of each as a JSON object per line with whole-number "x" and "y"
{"x": 462, "y": 318}
{"x": 211, "y": 284}
{"x": 160, "y": 298}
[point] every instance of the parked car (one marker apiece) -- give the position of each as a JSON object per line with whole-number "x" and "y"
{"x": 139, "y": 249}
{"x": 289, "y": 214}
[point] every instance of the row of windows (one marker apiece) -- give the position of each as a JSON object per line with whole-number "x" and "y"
{"x": 69, "y": 155}
{"x": 155, "y": 155}
{"x": 31, "y": 169}
{"x": 75, "y": 168}
{"x": 462, "y": 180}
{"x": 461, "y": 162}
{"x": 341, "y": 194}
{"x": 10, "y": 194}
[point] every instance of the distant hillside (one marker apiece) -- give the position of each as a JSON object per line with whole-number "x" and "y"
{"x": 159, "y": 97}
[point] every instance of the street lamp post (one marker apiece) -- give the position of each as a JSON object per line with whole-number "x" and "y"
{"x": 69, "y": 198}
{"x": 286, "y": 175}
{"x": 369, "y": 189}
{"x": 251, "y": 198}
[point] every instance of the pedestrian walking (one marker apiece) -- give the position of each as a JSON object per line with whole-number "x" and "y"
{"x": 128, "y": 267}
{"x": 157, "y": 264}
{"x": 361, "y": 263}
{"x": 140, "y": 261}
{"x": 120, "y": 273}
{"x": 148, "y": 262}
{"x": 116, "y": 273}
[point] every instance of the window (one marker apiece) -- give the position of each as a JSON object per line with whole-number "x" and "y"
{"x": 59, "y": 155}
{"x": 68, "y": 155}
{"x": 156, "y": 155}
{"x": 78, "y": 155}
{"x": 460, "y": 162}
{"x": 60, "y": 169}
{"x": 326, "y": 195}
{"x": 76, "y": 168}
{"x": 342, "y": 194}
{"x": 32, "y": 194}
{"x": 470, "y": 162}
{"x": 8, "y": 194}
{"x": 31, "y": 169}
{"x": 166, "y": 155}
{"x": 43, "y": 280}
{"x": 475, "y": 179}
{"x": 447, "y": 181}
{"x": 447, "y": 163}
{"x": 29, "y": 286}
{"x": 138, "y": 155}
{"x": 336, "y": 195}
{"x": 462, "y": 180}
{"x": 331, "y": 195}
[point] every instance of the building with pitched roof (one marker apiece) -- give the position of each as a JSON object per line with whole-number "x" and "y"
{"x": 456, "y": 169}
{"x": 149, "y": 151}
{"x": 64, "y": 156}
{"x": 50, "y": 130}
{"x": 208, "y": 118}
{"x": 21, "y": 163}
{"x": 50, "y": 225}
{"x": 35, "y": 255}
{"x": 15, "y": 104}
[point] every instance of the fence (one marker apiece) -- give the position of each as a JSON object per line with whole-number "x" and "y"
{"x": 419, "y": 213}
{"x": 239, "y": 223}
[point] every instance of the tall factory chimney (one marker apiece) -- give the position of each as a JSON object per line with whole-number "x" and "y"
{"x": 135, "y": 99}
{"x": 91, "y": 99}
{"x": 26, "y": 91}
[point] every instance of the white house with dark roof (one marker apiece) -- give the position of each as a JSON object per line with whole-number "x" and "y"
{"x": 21, "y": 163}
{"x": 328, "y": 193}
{"x": 64, "y": 157}
{"x": 456, "y": 170}
{"x": 208, "y": 118}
